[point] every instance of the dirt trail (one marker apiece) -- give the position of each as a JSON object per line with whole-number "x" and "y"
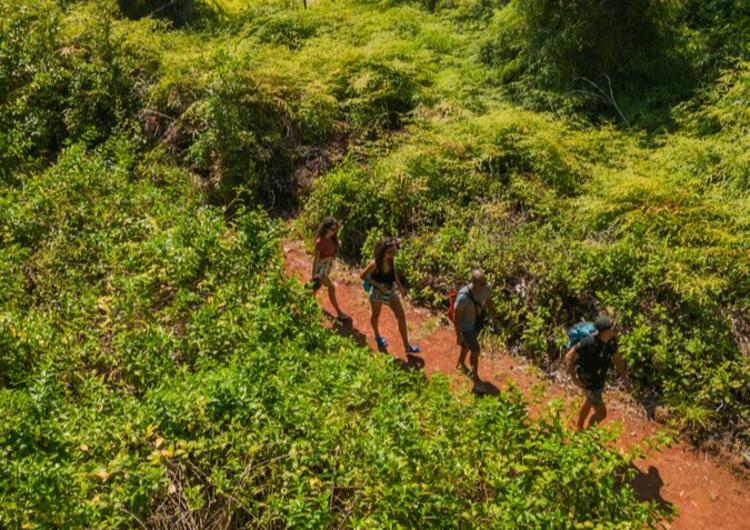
{"x": 706, "y": 494}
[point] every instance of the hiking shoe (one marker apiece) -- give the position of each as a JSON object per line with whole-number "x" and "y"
{"x": 411, "y": 350}
{"x": 465, "y": 370}
{"x": 381, "y": 341}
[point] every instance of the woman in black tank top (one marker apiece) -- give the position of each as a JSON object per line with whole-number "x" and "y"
{"x": 381, "y": 275}
{"x": 387, "y": 278}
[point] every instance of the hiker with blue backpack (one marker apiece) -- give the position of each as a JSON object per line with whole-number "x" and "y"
{"x": 382, "y": 284}
{"x": 592, "y": 347}
{"x": 470, "y": 307}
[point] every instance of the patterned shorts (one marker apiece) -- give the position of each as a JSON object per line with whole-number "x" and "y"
{"x": 323, "y": 268}
{"x": 377, "y": 296}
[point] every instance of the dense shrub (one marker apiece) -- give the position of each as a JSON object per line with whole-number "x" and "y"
{"x": 376, "y": 95}
{"x": 240, "y": 135}
{"x": 598, "y": 53}
{"x": 178, "y": 12}
{"x": 65, "y": 76}
{"x": 287, "y": 28}
{"x": 718, "y": 30}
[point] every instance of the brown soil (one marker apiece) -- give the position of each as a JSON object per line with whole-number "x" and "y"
{"x": 706, "y": 493}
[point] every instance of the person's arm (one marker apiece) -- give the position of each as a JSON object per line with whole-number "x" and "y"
{"x": 622, "y": 369}
{"x": 315, "y": 262}
{"x": 458, "y": 313}
{"x": 570, "y": 361}
{"x": 491, "y": 310}
{"x": 398, "y": 283}
{"x": 367, "y": 272}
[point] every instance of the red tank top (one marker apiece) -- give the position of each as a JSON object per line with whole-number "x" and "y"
{"x": 326, "y": 247}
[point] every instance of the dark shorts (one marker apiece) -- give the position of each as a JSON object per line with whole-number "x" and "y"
{"x": 469, "y": 340}
{"x": 592, "y": 386}
{"x": 594, "y": 396}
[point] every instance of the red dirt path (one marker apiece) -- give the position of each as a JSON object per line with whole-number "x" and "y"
{"x": 706, "y": 494}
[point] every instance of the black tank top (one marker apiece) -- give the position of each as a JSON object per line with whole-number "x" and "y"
{"x": 387, "y": 278}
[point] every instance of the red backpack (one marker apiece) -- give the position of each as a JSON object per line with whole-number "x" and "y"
{"x": 452, "y": 304}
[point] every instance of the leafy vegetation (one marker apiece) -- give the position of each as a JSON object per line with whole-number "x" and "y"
{"x": 156, "y": 367}
{"x": 586, "y": 48}
{"x": 178, "y": 12}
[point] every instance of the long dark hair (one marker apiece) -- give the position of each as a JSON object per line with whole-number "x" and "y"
{"x": 380, "y": 249}
{"x": 325, "y": 226}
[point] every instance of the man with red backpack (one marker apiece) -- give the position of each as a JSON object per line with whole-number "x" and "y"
{"x": 592, "y": 348}
{"x": 469, "y": 319}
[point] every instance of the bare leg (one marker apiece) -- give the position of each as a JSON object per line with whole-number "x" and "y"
{"x": 474, "y": 360}
{"x": 461, "y": 364}
{"x": 584, "y": 413}
{"x": 600, "y": 412}
{"x": 398, "y": 310}
{"x": 375, "y": 317}
{"x": 325, "y": 280}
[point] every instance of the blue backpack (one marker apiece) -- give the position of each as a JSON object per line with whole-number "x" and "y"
{"x": 579, "y": 332}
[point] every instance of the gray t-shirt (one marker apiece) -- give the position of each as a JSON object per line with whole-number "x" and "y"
{"x": 465, "y": 304}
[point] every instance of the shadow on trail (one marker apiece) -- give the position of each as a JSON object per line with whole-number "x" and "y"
{"x": 345, "y": 328}
{"x": 412, "y": 362}
{"x": 648, "y": 487}
{"x": 485, "y": 388}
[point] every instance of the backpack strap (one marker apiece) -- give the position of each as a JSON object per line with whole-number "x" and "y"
{"x": 477, "y": 305}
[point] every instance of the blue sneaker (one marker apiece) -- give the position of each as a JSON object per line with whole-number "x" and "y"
{"x": 381, "y": 341}
{"x": 412, "y": 350}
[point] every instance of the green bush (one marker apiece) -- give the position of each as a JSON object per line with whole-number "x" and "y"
{"x": 178, "y": 12}
{"x": 376, "y": 95}
{"x": 65, "y": 77}
{"x": 240, "y": 137}
{"x": 598, "y": 54}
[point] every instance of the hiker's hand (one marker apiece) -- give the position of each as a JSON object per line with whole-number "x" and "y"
{"x": 402, "y": 290}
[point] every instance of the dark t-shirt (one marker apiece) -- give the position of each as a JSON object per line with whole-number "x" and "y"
{"x": 594, "y": 359}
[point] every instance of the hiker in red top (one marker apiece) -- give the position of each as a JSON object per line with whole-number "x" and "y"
{"x": 326, "y": 245}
